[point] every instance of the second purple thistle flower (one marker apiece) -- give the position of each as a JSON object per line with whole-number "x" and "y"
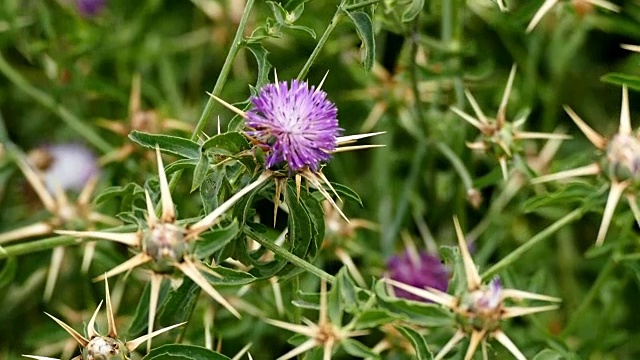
{"x": 420, "y": 270}
{"x": 297, "y": 123}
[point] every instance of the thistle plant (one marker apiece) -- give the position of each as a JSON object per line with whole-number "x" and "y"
{"x": 480, "y": 308}
{"x": 498, "y": 137}
{"x": 618, "y": 162}
{"x": 108, "y": 346}
{"x": 222, "y": 194}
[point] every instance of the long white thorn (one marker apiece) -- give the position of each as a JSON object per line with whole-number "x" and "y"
{"x": 544, "y": 9}
{"x": 617, "y": 188}
{"x": 502, "y": 110}
{"x": 133, "y": 344}
{"x": 473, "y": 278}
{"x": 39, "y": 228}
{"x": 168, "y": 211}
{"x": 596, "y": 139}
{"x": 476, "y": 108}
{"x": 76, "y": 335}
{"x": 591, "y": 169}
{"x": 507, "y": 343}
{"x": 132, "y": 263}
{"x": 455, "y": 339}
{"x": 154, "y": 293}
{"x": 130, "y": 239}
{"x": 229, "y": 106}
{"x": 91, "y": 326}
{"x": 57, "y": 255}
{"x": 625, "y": 118}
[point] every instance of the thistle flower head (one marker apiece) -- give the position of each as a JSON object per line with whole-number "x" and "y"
{"x": 421, "y": 270}
{"x": 620, "y": 162}
{"x": 166, "y": 245}
{"x": 96, "y": 346}
{"x": 297, "y": 123}
{"x": 480, "y": 308}
{"x": 498, "y": 137}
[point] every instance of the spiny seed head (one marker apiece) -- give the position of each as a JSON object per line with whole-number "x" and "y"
{"x": 622, "y": 160}
{"x": 297, "y": 124}
{"x": 106, "y": 348}
{"x": 166, "y": 245}
{"x": 484, "y": 304}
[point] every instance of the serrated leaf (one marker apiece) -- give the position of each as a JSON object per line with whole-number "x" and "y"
{"x": 168, "y": 144}
{"x": 214, "y": 240}
{"x": 632, "y": 81}
{"x": 186, "y": 352}
{"x": 364, "y": 28}
{"x": 227, "y": 144}
{"x": 418, "y": 342}
{"x": 412, "y": 10}
{"x": 264, "y": 68}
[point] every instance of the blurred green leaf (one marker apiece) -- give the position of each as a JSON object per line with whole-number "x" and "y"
{"x": 632, "y": 81}
{"x": 186, "y": 352}
{"x": 179, "y": 303}
{"x": 356, "y": 348}
{"x": 418, "y": 342}
{"x": 8, "y": 271}
{"x": 413, "y": 10}
{"x": 141, "y": 316}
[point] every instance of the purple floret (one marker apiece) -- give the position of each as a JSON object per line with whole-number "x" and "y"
{"x": 90, "y": 8}
{"x": 298, "y": 124}
{"x": 427, "y": 271}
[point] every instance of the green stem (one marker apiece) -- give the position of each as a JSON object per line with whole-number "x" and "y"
{"x": 284, "y": 253}
{"x": 517, "y": 253}
{"x": 48, "y": 102}
{"x": 587, "y": 299}
{"x": 224, "y": 73}
{"x": 458, "y": 165}
{"x": 323, "y": 39}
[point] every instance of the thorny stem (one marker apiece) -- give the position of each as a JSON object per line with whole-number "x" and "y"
{"x": 47, "y": 101}
{"x": 282, "y": 252}
{"x": 323, "y": 39}
{"x": 224, "y": 72}
{"x": 517, "y": 253}
{"x": 602, "y": 279}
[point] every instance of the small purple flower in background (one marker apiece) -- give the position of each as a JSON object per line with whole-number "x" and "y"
{"x": 90, "y": 8}
{"x": 297, "y": 123}
{"x": 68, "y": 166}
{"x": 421, "y": 270}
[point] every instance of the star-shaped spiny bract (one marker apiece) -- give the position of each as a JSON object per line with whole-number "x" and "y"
{"x": 620, "y": 163}
{"x": 549, "y": 4}
{"x": 64, "y": 213}
{"x": 324, "y": 334}
{"x": 103, "y": 347}
{"x": 497, "y": 135}
{"x": 297, "y": 126}
{"x": 148, "y": 121}
{"x": 481, "y": 308}
{"x": 166, "y": 246}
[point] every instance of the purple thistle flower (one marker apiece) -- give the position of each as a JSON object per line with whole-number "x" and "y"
{"x": 298, "y": 124}
{"x": 425, "y": 271}
{"x": 90, "y": 8}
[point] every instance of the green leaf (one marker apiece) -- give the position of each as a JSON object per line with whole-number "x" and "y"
{"x": 356, "y": 348}
{"x": 179, "y": 304}
{"x": 8, "y": 272}
{"x": 452, "y": 257}
{"x": 181, "y": 164}
{"x": 168, "y": 144}
{"x": 364, "y": 28}
{"x": 418, "y": 342}
{"x": 227, "y": 144}
{"x": 412, "y": 10}
{"x": 200, "y": 172}
{"x": 549, "y": 354}
{"x": 186, "y": 352}
{"x": 374, "y": 318}
{"x": 632, "y": 81}
{"x": 414, "y": 311}
{"x": 264, "y": 67}
{"x": 214, "y": 240}
{"x": 279, "y": 13}
{"x": 127, "y": 193}
{"x": 219, "y": 275}
{"x": 141, "y": 316}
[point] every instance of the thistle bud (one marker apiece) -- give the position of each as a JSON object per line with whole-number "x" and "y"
{"x": 166, "y": 245}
